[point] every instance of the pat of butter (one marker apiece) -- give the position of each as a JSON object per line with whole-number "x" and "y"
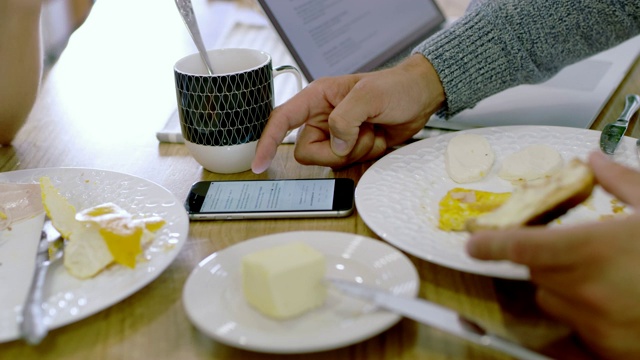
{"x": 284, "y": 281}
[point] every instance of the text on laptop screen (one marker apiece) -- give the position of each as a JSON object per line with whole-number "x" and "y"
{"x": 334, "y": 37}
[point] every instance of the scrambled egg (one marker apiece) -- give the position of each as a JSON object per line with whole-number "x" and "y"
{"x": 460, "y": 204}
{"x": 617, "y": 207}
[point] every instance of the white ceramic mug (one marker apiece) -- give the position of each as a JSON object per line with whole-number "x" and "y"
{"x": 222, "y": 115}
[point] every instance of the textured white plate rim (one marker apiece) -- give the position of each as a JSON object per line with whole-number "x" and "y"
{"x": 216, "y": 279}
{"x": 142, "y": 275}
{"x": 402, "y": 164}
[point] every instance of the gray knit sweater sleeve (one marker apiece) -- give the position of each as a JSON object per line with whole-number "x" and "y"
{"x": 499, "y": 44}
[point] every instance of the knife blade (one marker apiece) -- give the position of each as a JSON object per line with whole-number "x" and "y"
{"x": 32, "y": 324}
{"x": 612, "y": 133}
{"x": 437, "y": 316}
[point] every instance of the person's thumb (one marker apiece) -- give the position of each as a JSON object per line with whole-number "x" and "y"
{"x": 344, "y": 124}
{"x": 339, "y": 146}
{"x": 618, "y": 180}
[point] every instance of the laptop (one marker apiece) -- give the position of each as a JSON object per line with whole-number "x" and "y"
{"x": 329, "y": 38}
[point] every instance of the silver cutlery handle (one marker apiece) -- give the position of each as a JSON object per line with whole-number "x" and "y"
{"x": 32, "y": 326}
{"x": 631, "y": 105}
{"x": 189, "y": 18}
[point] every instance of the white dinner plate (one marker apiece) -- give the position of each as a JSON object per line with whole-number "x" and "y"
{"x": 398, "y": 196}
{"x": 68, "y": 299}
{"x": 215, "y": 303}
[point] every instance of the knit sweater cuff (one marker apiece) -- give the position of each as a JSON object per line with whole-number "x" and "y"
{"x": 470, "y": 52}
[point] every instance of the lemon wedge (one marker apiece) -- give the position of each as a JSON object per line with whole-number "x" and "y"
{"x": 58, "y": 209}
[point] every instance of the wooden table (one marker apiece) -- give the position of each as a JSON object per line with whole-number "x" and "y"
{"x": 100, "y": 107}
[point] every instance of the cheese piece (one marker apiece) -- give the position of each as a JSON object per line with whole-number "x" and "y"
{"x": 468, "y": 158}
{"x": 123, "y": 235}
{"x": 284, "y": 281}
{"x": 531, "y": 163}
{"x": 86, "y": 253}
{"x": 104, "y": 234}
{"x": 97, "y": 236}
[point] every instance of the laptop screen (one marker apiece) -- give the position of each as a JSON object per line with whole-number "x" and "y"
{"x": 335, "y": 37}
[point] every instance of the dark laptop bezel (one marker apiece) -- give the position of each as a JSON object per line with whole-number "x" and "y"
{"x": 388, "y": 54}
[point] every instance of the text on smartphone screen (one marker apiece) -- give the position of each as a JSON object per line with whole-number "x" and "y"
{"x": 269, "y": 195}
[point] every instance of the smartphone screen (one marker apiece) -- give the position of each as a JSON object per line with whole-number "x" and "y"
{"x": 244, "y": 199}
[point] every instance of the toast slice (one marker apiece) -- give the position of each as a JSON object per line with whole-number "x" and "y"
{"x": 541, "y": 202}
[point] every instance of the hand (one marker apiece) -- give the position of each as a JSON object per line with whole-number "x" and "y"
{"x": 354, "y": 118}
{"x": 587, "y": 275}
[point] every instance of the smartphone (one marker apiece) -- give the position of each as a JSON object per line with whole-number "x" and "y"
{"x": 265, "y": 199}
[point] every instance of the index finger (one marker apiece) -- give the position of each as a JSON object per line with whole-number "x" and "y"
{"x": 315, "y": 102}
{"x": 284, "y": 118}
{"x": 274, "y": 132}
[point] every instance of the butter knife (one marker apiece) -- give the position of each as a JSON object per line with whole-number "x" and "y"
{"x": 612, "y": 133}
{"x": 437, "y": 316}
{"x": 32, "y": 325}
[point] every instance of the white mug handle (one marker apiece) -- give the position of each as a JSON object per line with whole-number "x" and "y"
{"x": 291, "y": 70}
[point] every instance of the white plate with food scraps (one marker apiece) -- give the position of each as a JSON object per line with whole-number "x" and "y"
{"x": 399, "y": 195}
{"x": 68, "y": 299}
{"x": 215, "y": 304}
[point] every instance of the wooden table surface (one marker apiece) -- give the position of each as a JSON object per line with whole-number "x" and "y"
{"x": 100, "y": 107}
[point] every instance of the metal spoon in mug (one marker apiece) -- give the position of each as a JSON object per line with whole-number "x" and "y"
{"x": 186, "y": 11}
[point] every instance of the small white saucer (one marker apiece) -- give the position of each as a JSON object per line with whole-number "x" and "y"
{"x": 215, "y": 304}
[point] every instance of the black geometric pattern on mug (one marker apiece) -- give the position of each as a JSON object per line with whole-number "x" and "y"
{"x": 225, "y": 110}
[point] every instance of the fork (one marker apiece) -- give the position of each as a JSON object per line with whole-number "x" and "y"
{"x": 50, "y": 249}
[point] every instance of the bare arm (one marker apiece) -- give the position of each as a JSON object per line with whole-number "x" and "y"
{"x": 20, "y": 63}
